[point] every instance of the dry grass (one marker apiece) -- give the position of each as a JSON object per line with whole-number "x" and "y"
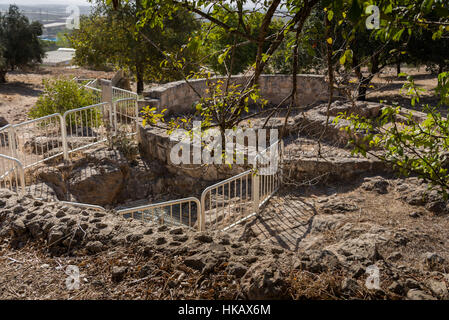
{"x": 30, "y": 273}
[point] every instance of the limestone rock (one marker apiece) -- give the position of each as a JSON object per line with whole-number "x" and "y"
{"x": 118, "y": 273}
{"x": 378, "y": 184}
{"x": 415, "y": 294}
{"x": 265, "y": 282}
{"x": 97, "y": 185}
{"x": 434, "y": 261}
{"x": 438, "y": 288}
{"x": 322, "y": 223}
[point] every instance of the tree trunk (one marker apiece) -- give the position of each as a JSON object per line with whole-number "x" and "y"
{"x": 398, "y": 68}
{"x": 440, "y": 68}
{"x": 363, "y": 88}
{"x": 2, "y": 76}
{"x": 139, "y": 78}
{"x": 365, "y": 81}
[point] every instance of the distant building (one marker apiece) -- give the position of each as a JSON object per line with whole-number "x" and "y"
{"x": 60, "y": 57}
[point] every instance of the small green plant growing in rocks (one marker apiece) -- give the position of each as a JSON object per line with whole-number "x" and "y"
{"x": 124, "y": 143}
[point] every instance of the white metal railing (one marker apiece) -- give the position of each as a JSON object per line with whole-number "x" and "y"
{"x": 12, "y": 174}
{"x": 269, "y": 175}
{"x": 4, "y": 140}
{"x": 176, "y": 212}
{"x": 84, "y": 205}
{"x": 37, "y": 140}
{"x": 94, "y": 83}
{"x": 41, "y": 139}
{"x": 227, "y": 202}
{"x": 126, "y": 115}
{"x": 222, "y": 205}
{"x": 119, "y": 93}
{"x": 86, "y": 127}
{"x": 96, "y": 93}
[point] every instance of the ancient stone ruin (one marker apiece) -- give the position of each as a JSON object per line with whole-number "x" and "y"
{"x": 331, "y": 214}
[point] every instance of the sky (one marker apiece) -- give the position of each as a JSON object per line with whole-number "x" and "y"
{"x": 38, "y": 2}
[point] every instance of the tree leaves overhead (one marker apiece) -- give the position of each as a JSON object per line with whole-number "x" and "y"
{"x": 114, "y": 37}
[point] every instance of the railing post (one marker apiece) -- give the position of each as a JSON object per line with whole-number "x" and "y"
{"x": 107, "y": 96}
{"x": 255, "y": 192}
{"x": 114, "y": 116}
{"x": 65, "y": 147}
{"x": 281, "y": 161}
{"x": 22, "y": 178}
{"x": 202, "y": 211}
{"x": 12, "y": 141}
{"x": 137, "y": 116}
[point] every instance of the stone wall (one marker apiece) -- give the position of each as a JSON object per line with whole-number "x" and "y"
{"x": 155, "y": 144}
{"x": 179, "y": 97}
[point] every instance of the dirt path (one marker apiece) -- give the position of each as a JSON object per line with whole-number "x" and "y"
{"x": 387, "y": 87}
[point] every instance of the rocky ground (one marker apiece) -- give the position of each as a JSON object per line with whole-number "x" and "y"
{"x": 315, "y": 242}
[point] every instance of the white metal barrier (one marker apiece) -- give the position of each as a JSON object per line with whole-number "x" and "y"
{"x": 5, "y": 147}
{"x": 37, "y": 140}
{"x": 84, "y": 205}
{"x": 176, "y": 212}
{"x": 86, "y": 127}
{"x": 12, "y": 174}
{"x": 227, "y": 202}
{"x": 96, "y": 93}
{"x": 119, "y": 93}
{"x": 269, "y": 175}
{"x": 126, "y": 115}
{"x": 92, "y": 82}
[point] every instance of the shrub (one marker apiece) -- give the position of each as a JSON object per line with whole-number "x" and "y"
{"x": 59, "y": 96}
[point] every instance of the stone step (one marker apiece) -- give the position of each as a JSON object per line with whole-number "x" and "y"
{"x": 154, "y": 93}
{"x": 148, "y": 102}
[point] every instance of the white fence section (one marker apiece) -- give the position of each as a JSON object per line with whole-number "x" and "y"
{"x": 118, "y": 94}
{"x": 227, "y": 202}
{"x": 222, "y": 205}
{"x": 84, "y": 205}
{"x": 96, "y": 93}
{"x": 12, "y": 174}
{"x": 184, "y": 212}
{"x": 86, "y": 127}
{"x": 126, "y": 115}
{"x": 37, "y": 140}
{"x": 269, "y": 178}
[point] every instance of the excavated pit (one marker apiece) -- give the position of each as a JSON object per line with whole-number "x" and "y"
{"x": 104, "y": 176}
